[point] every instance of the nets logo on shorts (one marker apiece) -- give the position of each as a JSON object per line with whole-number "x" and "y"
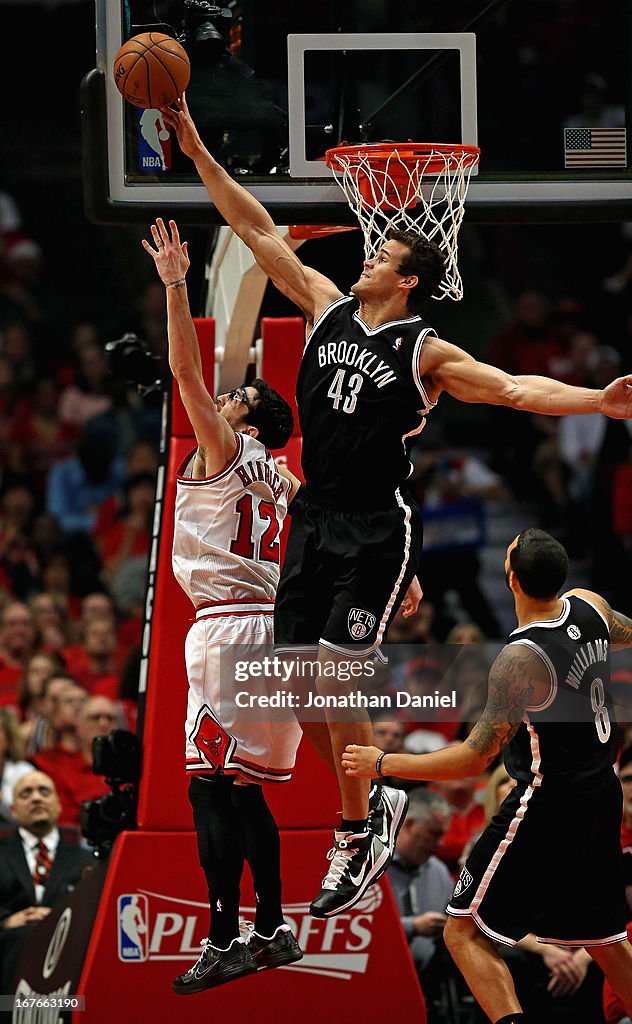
{"x": 360, "y": 623}
{"x": 465, "y": 879}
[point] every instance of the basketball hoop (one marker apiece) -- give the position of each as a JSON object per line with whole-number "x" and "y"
{"x": 408, "y": 185}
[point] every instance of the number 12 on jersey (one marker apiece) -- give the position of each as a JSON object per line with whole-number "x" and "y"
{"x": 254, "y": 544}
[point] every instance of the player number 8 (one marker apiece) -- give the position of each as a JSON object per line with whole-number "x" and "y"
{"x": 602, "y": 719}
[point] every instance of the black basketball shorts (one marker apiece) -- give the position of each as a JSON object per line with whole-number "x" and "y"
{"x": 548, "y": 863}
{"x": 344, "y": 575}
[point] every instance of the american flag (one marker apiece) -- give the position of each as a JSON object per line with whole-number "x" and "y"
{"x": 594, "y": 147}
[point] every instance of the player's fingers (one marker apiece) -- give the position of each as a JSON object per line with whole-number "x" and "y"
{"x": 164, "y": 235}
{"x": 351, "y": 748}
{"x": 155, "y": 234}
{"x": 175, "y": 234}
{"x": 145, "y": 244}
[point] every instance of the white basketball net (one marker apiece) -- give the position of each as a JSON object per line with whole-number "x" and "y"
{"x": 425, "y": 193}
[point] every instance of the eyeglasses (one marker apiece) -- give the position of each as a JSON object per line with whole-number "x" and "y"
{"x": 239, "y": 395}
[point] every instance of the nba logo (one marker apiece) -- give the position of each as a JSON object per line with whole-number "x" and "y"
{"x": 154, "y": 142}
{"x": 132, "y": 927}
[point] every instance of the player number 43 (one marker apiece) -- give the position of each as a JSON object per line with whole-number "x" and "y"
{"x": 347, "y": 394}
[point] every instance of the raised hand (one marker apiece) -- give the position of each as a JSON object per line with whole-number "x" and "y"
{"x": 170, "y": 255}
{"x": 182, "y": 123}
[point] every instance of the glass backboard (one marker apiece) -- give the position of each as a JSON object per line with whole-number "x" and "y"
{"x": 543, "y": 88}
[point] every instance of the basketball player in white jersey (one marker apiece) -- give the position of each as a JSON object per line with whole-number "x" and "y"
{"x": 230, "y": 504}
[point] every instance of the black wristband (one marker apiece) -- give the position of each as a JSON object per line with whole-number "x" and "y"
{"x": 378, "y": 764}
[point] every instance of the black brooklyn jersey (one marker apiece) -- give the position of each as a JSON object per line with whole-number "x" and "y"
{"x": 571, "y": 738}
{"x": 358, "y": 393}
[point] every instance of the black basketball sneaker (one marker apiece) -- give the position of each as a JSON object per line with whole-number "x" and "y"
{"x": 215, "y": 967}
{"x": 357, "y": 861}
{"x": 277, "y": 951}
{"x": 387, "y": 810}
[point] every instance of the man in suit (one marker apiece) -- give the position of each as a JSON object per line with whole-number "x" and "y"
{"x": 37, "y": 866}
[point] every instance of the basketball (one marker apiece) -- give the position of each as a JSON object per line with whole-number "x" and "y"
{"x": 151, "y": 70}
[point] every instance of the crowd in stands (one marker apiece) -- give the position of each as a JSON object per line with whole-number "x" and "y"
{"x": 78, "y": 461}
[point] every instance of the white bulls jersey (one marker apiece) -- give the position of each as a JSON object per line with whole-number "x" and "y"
{"x": 226, "y": 535}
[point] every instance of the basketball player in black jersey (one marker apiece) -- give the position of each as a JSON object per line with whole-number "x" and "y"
{"x": 550, "y": 861}
{"x": 371, "y": 371}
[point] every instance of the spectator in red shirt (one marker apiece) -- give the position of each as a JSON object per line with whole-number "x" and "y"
{"x": 17, "y": 643}
{"x": 72, "y": 771}
{"x": 95, "y": 663}
{"x": 39, "y": 667}
{"x": 19, "y": 565}
{"x": 37, "y": 436}
{"x": 468, "y": 818}
{"x": 529, "y": 343}
{"x": 51, "y": 619}
{"x": 40, "y": 733}
{"x": 129, "y": 536}
{"x": 56, "y": 576}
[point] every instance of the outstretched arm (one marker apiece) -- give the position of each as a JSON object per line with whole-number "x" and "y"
{"x": 215, "y": 437}
{"x": 448, "y": 368}
{"x": 514, "y": 678}
{"x": 311, "y": 291}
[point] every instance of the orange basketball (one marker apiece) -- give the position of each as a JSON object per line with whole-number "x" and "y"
{"x": 151, "y": 70}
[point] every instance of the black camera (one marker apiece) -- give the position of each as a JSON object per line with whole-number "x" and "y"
{"x": 101, "y": 820}
{"x": 117, "y": 756}
{"x": 207, "y": 24}
{"x": 130, "y": 358}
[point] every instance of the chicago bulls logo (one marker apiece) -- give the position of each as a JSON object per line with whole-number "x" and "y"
{"x": 211, "y": 740}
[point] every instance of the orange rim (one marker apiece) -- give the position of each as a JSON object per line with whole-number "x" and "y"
{"x": 434, "y": 155}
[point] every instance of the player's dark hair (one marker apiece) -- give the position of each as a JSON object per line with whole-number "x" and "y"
{"x": 540, "y": 564}
{"x": 272, "y": 416}
{"x": 425, "y": 260}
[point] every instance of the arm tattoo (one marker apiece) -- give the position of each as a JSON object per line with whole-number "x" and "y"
{"x": 620, "y": 628}
{"x": 510, "y": 691}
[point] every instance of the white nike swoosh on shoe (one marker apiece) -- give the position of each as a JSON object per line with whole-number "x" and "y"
{"x": 202, "y": 973}
{"x": 360, "y": 878}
